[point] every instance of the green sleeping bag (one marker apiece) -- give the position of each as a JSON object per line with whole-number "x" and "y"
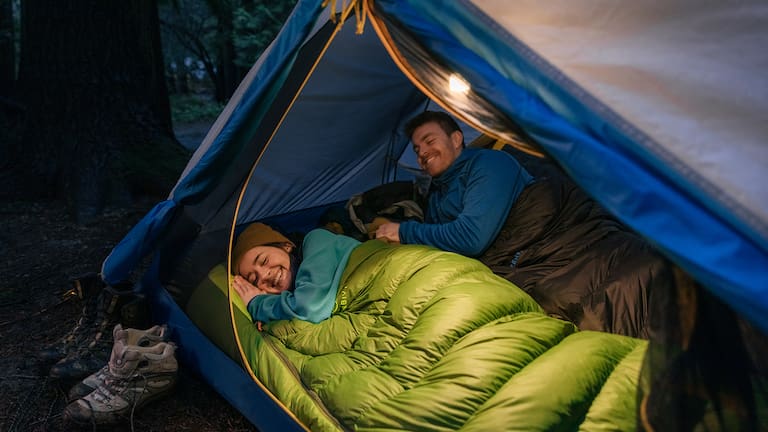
{"x": 422, "y": 339}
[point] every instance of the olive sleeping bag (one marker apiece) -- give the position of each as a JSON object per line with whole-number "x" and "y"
{"x": 422, "y": 339}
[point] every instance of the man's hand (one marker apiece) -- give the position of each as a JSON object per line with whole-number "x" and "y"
{"x": 245, "y": 289}
{"x": 389, "y": 232}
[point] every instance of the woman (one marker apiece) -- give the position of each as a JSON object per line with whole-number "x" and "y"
{"x": 272, "y": 283}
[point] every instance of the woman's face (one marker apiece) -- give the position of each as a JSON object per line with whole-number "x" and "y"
{"x": 267, "y": 268}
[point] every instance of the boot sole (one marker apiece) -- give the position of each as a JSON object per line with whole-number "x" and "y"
{"x": 117, "y": 417}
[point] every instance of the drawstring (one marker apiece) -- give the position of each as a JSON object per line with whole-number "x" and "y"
{"x": 360, "y": 12}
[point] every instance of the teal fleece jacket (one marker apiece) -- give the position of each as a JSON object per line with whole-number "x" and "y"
{"x": 469, "y": 203}
{"x": 325, "y": 256}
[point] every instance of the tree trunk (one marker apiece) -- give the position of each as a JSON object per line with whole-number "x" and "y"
{"x": 227, "y": 78}
{"x": 7, "y": 51}
{"x": 97, "y": 129}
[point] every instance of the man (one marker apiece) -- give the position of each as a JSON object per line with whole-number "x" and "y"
{"x": 551, "y": 240}
{"x": 471, "y": 193}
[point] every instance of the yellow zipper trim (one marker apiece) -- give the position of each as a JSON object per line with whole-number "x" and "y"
{"x": 295, "y": 372}
{"x": 243, "y": 357}
{"x": 402, "y": 63}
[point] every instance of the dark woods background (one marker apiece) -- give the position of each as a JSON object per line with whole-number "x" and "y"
{"x": 101, "y": 104}
{"x": 93, "y": 96}
{"x": 91, "y": 92}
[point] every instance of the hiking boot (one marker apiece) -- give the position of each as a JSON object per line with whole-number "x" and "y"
{"x": 86, "y": 288}
{"x": 137, "y": 375}
{"x": 93, "y": 351}
{"x": 141, "y": 339}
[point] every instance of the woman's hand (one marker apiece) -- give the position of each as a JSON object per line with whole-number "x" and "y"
{"x": 245, "y": 289}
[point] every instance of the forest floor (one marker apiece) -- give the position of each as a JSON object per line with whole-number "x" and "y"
{"x": 40, "y": 250}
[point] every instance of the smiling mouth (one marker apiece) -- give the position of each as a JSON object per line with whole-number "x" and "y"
{"x": 278, "y": 278}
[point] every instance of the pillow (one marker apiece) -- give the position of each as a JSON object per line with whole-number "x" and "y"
{"x": 208, "y": 308}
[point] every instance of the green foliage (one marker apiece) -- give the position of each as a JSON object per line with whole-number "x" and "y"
{"x": 188, "y": 108}
{"x": 255, "y": 28}
{"x": 225, "y": 36}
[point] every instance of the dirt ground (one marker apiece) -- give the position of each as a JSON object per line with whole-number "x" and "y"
{"x": 40, "y": 250}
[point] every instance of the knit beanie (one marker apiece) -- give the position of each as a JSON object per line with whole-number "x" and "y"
{"x": 257, "y": 234}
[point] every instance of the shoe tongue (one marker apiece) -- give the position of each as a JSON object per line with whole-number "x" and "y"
{"x": 123, "y": 361}
{"x": 118, "y": 332}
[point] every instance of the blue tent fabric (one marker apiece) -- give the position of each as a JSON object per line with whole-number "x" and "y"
{"x": 718, "y": 233}
{"x": 139, "y": 242}
{"x": 607, "y": 162}
{"x": 213, "y": 162}
{"x": 240, "y": 390}
{"x": 251, "y": 106}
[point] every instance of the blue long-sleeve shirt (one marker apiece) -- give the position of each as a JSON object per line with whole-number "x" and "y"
{"x": 325, "y": 256}
{"x": 469, "y": 203}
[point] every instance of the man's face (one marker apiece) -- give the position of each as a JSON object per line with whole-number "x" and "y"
{"x": 435, "y": 150}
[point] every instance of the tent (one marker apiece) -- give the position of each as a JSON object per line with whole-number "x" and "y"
{"x": 658, "y": 109}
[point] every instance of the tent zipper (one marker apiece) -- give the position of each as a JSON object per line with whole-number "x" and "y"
{"x": 399, "y": 59}
{"x": 292, "y": 368}
{"x": 345, "y": 13}
{"x": 386, "y": 39}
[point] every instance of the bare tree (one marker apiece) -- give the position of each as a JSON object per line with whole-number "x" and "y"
{"x": 189, "y": 25}
{"x": 226, "y": 35}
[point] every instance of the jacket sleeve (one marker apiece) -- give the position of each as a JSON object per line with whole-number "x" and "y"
{"x": 325, "y": 256}
{"x": 495, "y": 181}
